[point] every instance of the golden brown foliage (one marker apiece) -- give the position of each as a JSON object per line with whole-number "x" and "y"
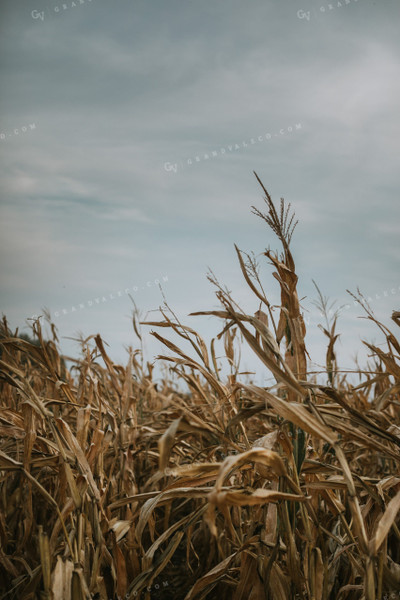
{"x": 115, "y": 486}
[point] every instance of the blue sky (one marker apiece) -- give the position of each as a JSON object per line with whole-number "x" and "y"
{"x": 102, "y": 105}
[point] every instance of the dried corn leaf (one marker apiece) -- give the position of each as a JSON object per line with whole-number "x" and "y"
{"x": 385, "y": 523}
{"x": 210, "y": 579}
{"x": 166, "y": 442}
{"x": 61, "y": 579}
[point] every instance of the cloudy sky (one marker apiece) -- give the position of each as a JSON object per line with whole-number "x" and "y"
{"x": 129, "y": 132}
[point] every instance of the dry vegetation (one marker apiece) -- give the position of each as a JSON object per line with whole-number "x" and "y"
{"x": 115, "y": 486}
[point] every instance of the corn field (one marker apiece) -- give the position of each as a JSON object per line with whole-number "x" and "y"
{"x": 116, "y": 484}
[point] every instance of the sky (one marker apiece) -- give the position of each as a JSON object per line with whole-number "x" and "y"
{"x": 129, "y": 133}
